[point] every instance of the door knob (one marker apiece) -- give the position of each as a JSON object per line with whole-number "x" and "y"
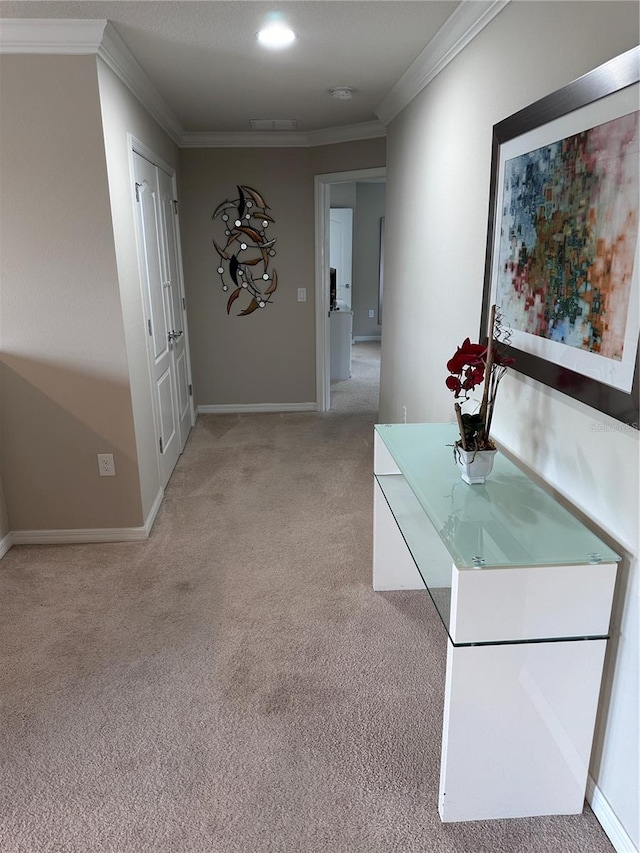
{"x": 173, "y": 336}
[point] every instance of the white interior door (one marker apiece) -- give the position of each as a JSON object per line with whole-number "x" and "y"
{"x": 341, "y": 252}
{"x": 158, "y": 308}
{"x": 175, "y": 294}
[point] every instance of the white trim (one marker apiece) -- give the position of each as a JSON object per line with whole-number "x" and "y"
{"x": 321, "y": 204}
{"x": 143, "y": 150}
{"x": 468, "y": 19}
{"x": 79, "y": 536}
{"x": 361, "y": 338}
{"x": 347, "y": 133}
{"x": 242, "y": 408}
{"x": 243, "y": 139}
{"x": 61, "y": 36}
{"x": 115, "y": 53}
{"x": 151, "y": 517}
{"x": 183, "y": 299}
{"x": 608, "y": 819}
{"x": 284, "y": 139}
{"x": 83, "y": 536}
{"x": 5, "y": 544}
{"x": 50, "y": 35}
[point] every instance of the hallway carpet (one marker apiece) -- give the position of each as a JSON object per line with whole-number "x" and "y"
{"x": 360, "y": 392}
{"x": 234, "y": 685}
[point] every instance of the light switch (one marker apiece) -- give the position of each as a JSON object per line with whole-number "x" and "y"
{"x": 371, "y": 313}
{"x": 302, "y": 294}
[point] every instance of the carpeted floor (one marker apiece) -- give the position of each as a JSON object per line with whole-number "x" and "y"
{"x": 359, "y": 393}
{"x": 234, "y": 685}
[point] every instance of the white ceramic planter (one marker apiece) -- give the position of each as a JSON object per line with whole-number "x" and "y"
{"x": 475, "y": 465}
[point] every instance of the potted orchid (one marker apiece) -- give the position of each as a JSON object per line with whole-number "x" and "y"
{"x": 471, "y": 366}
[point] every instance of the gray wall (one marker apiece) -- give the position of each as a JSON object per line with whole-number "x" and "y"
{"x": 366, "y": 199}
{"x": 267, "y": 357}
{"x": 343, "y": 195}
{"x": 438, "y": 165}
{"x": 366, "y": 257}
{"x": 65, "y": 388}
{"x": 74, "y": 366}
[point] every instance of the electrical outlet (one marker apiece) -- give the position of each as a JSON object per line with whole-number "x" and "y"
{"x": 372, "y": 313}
{"x": 302, "y": 294}
{"x": 404, "y": 414}
{"x": 106, "y": 465}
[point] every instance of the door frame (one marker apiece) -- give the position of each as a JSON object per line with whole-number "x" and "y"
{"x": 322, "y": 198}
{"x": 136, "y": 146}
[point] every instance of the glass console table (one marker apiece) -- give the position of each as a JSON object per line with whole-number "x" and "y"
{"x": 524, "y": 591}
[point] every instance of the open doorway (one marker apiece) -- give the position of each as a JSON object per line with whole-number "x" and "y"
{"x": 348, "y": 363}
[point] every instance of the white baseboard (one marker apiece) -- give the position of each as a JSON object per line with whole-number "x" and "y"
{"x": 242, "y": 408}
{"x": 83, "y": 535}
{"x": 157, "y": 503}
{"x": 608, "y": 819}
{"x": 5, "y": 544}
{"x": 79, "y": 536}
{"x": 358, "y": 338}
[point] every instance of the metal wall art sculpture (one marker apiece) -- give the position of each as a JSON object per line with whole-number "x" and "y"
{"x": 244, "y": 222}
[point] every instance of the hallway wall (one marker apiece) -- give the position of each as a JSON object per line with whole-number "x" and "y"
{"x": 267, "y": 357}
{"x": 65, "y": 384}
{"x": 438, "y": 170}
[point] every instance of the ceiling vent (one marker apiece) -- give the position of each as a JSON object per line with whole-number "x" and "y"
{"x": 273, "y": 123}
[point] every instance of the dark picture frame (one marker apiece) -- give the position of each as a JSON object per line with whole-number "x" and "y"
{"x": 608, "y": 79}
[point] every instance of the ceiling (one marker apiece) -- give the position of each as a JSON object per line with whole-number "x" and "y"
{"x": 205, "y": 61}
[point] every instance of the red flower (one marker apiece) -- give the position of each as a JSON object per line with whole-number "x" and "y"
{"x": 467, "y": 354}
{"x": 473, "y": 376}
{"x": 466, "y": 367}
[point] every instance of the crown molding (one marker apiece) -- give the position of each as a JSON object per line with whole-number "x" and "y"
{"x": 50, "y": 35}
{"x": 347, "y": 133}
{"x": 284, "y": 139}
{"x": 115, "y": 53}
{"x": 243, "y": 139}
{"x": 469, "y": 19}
{"x": 62, "y": 36}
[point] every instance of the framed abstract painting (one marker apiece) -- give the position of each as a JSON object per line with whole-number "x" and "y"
{"x": 563, "y": 250}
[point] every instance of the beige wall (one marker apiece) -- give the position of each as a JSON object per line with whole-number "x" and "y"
{"x": 267, "y": 357}
{"x": 65, "y": 384}
{"x": 122, "y": 114}
{"x": 438, "y": 164}
{"x": 347, "y": 156}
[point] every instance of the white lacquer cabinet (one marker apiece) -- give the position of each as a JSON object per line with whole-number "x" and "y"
{"x": 524, "y": 591}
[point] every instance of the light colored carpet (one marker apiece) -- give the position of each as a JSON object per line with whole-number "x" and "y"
{"x": 234, "y": 685}
{"x": 360, "y": 393}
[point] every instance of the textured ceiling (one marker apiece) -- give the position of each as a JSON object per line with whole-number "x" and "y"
{"x": 204, "y": 59}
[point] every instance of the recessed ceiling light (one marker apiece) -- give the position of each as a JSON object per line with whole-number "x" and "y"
{"x": 276, "y": 35}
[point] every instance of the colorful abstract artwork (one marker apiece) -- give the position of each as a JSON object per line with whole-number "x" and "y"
{"x": 245, "y": 251}
{"x": 568, "y": 234}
